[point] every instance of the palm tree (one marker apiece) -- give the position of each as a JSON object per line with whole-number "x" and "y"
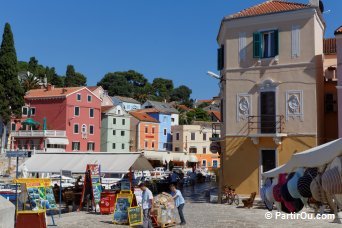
{"x": 30, "y": 82}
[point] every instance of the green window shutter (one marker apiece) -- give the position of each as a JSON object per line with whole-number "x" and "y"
{"x": 276, "y": 42}
{"x": 220, "y": 58}
{"x": 257, "y": 45}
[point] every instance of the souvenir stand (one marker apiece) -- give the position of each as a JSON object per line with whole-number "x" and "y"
{"x": 35, "y": 200}
{"x": 312, "y": 177}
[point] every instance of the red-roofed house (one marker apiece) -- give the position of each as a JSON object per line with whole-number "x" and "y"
{"x": 60, "y": 119}
{"x": 270, "y": 59}
{"x": 144, "y": 132}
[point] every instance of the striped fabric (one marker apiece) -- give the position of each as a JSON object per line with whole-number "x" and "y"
{"x": 332, "y": 181}
{"x": 304, "y": 182}
{"x": 317, "y": 191}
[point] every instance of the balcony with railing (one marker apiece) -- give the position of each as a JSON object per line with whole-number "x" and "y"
{"x": 36, "y": 134}
{"x": 266, "y": 125}
{"x": 216, "y": 132}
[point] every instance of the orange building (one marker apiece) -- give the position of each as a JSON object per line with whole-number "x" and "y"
{"x": 144, "y": 132}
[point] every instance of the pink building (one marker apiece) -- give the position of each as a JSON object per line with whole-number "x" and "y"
{"x": 338, "y": 34}
{"x": 68, "y": 119}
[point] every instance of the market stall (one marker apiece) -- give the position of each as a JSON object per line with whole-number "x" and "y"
{"x": 311, "y": 177}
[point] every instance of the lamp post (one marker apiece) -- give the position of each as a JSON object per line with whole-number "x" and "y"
{"x": 220, "y": 173}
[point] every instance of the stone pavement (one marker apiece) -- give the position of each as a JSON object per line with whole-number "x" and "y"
{"x": 201, "y": 215}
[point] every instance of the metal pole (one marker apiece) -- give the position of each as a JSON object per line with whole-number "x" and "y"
{"x": 16, "y": 186}
{"x": 60, "y": 192}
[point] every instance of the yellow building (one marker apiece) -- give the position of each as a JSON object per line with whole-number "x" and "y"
{"x": 271, "y": 65}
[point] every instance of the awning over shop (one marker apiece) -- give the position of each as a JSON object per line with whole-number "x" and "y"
{"x": 193, "y": 158}
{"x": 165, "y": 156}
{"x": 314, "y": 157}
{"x": 77, "y": 162}
{"x": 57, "y": 141}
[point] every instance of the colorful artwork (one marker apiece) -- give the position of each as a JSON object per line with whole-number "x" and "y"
{"x": 40, "y": 194}
{"x": 121, "y": 210}
{"x": 135, "y": 216}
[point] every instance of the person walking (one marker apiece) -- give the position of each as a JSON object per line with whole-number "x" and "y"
{"x": 147, "y": 205}
{"x": 179, "y": 202}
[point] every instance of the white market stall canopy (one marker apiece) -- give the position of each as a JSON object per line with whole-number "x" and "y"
{"x": 77, "y": 162}
{"x": 7, "y": 212}
{"x": 314, "y": 157}
{"x": 165, "y": 156}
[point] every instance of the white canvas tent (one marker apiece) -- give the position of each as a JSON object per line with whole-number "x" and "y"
{"x": 7, "y": 211}
{"x": 77, "y": 162}
{"x": 314, "y": 157}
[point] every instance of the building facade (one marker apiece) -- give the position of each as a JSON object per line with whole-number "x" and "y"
{"x": 144, "y": 132}
{"x": 165, "y": 142}
{"x": 63, "y": 119}
{"x": 102, "y": 94}
{"x": 115, "y": 129}
{"x": 129, "y": 104}
{"x": 164, "y": 107}
{"x": 270, "y": 61}
{"x": 195, "y": 140}
{"x": 338, "y": 35}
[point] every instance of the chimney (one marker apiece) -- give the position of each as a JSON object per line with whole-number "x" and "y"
{"x": 50, "y": 87}
{"x": 314, "y": 3}
{"x": 64, "y": 90}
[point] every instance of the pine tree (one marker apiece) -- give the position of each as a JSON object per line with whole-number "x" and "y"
{"x": 73, "y": 78}
{"x": 11, "y": 92}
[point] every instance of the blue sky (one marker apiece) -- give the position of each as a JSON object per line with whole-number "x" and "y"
{"x": 174, "y": 39}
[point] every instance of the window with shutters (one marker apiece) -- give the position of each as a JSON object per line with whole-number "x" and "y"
{"x": 242, "y": 46}
{"x": 266, "y": 44}
{"x": 220, "y": 58}
{"x": 295, "y": 41}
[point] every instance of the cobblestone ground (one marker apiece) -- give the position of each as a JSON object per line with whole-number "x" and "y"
{"x": 199, "y": 213}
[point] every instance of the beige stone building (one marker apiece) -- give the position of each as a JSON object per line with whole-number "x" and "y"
{"x": 271, "y": 64}
{"x": 195, "y": 140}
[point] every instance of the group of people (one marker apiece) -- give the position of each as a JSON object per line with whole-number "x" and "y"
{"x": 147, "y": 204}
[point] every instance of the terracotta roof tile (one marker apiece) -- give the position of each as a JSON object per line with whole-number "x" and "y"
{"x": 54, "y": 92}
{"x": 268, "y": 7}
{"x": 106, "y": 108}
{"x": 92, "y": 88}
{"x": 338, "y": 31}
{"x": 329, "y": 46}
{"x": 143, "y": 117}
{"x": 217, "y": 114}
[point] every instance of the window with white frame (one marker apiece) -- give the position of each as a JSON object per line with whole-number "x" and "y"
{"x": 76, "y": 146}
{"x": 146, "y": 129}
{"x": 89, "y": 98}
{"x": 114, "y": 120}
{"x": 90, "y": 146}
{"x": 165, "y": 132}
{"x": 204, "y": 163}
{"x": 266, "y": 44}
{"x": 25, "y": 111}
{"x": 242, "y": 46}
{"x": 76, "y": 129}
{"x": 32, "y": 111}
{"x": 113, "y": 146}
{"x": 123, "y": 122}
{"x": 177, "y": 136}
{"x": 91, "y": 129}
{"x": 78, "y": 97}
{"x": 91, "y": 113}
{"x": 123, "y": 146}
{"x": 76, "y": 111}
{"x": 84, "y": 129}
{"x": 295, "y": 41}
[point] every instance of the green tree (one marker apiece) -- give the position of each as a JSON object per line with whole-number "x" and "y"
{"x": 33, "y": 66}
{"x": 53, "y": 78}
{"x": 30, "y": 82}
{"x": 162, "y": 88}
{"x": 182, "y": 95}
{"x": 197, "y": 114}
{"x": 73, "y": 78}
{"x": 116, "y": 84}
{"x": 11, "y": 92}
